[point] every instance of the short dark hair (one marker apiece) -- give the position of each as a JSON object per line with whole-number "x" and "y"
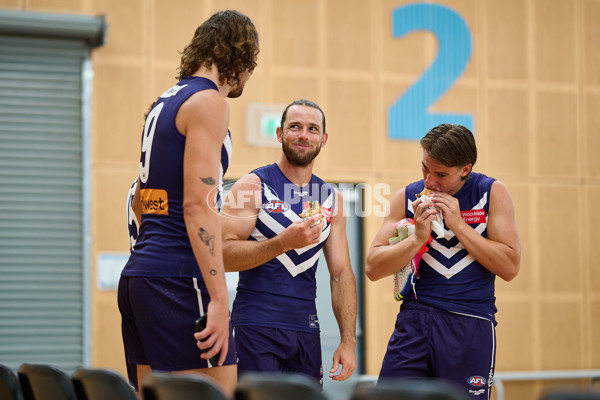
{"x": 227, "y": 39}
{"x": 451, "y": 145}
{"x": 302, "y": 102}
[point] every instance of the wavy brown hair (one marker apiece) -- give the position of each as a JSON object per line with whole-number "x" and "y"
{"x": 227, "y": 39}
{"x": 451, "y": 145}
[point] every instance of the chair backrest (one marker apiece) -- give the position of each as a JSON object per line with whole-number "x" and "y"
{"x": 9, "y": 384}
{"x": 570, "y": 394}
{"x": 165, "y": 386}
{"x": 101, "y": 384}
{"x": 45, "y": 382}
{"x": 409, "y": 389}
{"x": 277, "y": 386}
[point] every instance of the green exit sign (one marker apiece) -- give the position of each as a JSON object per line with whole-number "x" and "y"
{"x": 268, "y": 124}
{"x": 262, "y": 121}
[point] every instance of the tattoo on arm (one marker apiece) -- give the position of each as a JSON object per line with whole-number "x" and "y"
{"x": 207, "y": 239}
{"x": 213, "y": 271}
{"x": 208, "y": 180}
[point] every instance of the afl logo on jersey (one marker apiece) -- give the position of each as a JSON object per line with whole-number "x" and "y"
{"x": 275, "y": 206}
{"x": 477, "y": 381}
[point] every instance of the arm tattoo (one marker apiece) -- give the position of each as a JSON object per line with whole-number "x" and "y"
{"x": 207, "y": 239}
{"x": 213, "y": 271}
{"x": 209, "y": 180}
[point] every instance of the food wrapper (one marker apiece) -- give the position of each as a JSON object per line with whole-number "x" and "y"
{"x": 437, "y": 226}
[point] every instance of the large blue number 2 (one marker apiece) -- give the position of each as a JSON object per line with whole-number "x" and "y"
{"x": 409, "y": 117}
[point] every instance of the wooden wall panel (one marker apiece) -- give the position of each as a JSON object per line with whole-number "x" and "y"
{"x": 532, "y": 85}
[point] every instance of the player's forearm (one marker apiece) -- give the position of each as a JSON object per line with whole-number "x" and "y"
{"x": 242, "y": 255}
{"x": 344, "y": 304}
{"x": 386, "y": 260}
{"x": 204, "y": 231}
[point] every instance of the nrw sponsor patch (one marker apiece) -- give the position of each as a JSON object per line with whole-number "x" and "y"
{"x": 477, "y": 381}
{"x": 154, "y": 201}
{"x": 473, "y": 216}
{"x": 275, "y": 206}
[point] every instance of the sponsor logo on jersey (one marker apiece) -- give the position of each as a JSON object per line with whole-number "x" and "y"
{"x": 172, "y": 91}
{"x": 477, "y": 392}
{"x": 275, "y": 206}
{"x": 154, "y": 201}
{"x": 327, "y": 213}
{"x": 473, "y": 216}
{"x": 313, "y": 321}
{"x": 476, "y": 381}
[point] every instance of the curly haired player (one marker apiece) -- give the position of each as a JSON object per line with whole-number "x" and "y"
{"x": 175, "y": 272}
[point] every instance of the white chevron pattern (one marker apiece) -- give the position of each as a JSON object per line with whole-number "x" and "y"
{"x": 447, "y": 272}
{"x": 449, "y": 252}
{"x": 265, "y": 217}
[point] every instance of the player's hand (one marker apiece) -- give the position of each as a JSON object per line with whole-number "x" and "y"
{"x": 425, "y": 214}
{"x": 345, "y": 356}
{"x": 303, "y": 233}
{"x": 214, "y": 339}
{"x": 450, "y": 208}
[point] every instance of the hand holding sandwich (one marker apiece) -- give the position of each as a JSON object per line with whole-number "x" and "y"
{"x": 425, "y": 214}
{"x": 449, "y": 207}
{"x": 302, "y": 233}
{"x": 305, "y": 232}
{"x": 437, "y": 222}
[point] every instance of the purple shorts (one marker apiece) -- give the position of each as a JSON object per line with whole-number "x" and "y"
{"x": 428, "y": 342}
{"x": 157, "y": 323}
{"x": 278, "y": 350}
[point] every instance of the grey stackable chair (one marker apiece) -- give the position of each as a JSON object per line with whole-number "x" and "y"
{"x": 165, "y": 386}
{"x": 409, "y": 389}
{"x": 9, "y": 384}
{"x": 569, "y": 394}
{"x": 101, "y": 384}
{"x": 277, "y": 386}
{"x": 45, "y": 382}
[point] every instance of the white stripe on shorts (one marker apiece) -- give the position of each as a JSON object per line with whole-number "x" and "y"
{"x": 201, "y": 308}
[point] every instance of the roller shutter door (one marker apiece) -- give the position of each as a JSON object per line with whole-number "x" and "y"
{"x": 44, "y": 210}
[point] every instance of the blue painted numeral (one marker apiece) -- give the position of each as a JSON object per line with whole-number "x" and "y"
{"x": 409, "y": 117}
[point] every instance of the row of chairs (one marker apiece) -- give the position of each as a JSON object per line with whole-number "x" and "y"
{"x": 47, "y": 382}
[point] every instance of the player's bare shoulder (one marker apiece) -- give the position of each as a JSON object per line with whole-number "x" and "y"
{"x": 249, "y": 183}
{"x": 245, "y": 194}
{"x": 338, "y": 211}
{"x": 206, "y": 108}
{"x": 500, "y": 197}
{"x": 396, "y": 210}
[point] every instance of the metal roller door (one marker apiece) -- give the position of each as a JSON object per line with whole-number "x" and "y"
{"x": 44, "y": 199}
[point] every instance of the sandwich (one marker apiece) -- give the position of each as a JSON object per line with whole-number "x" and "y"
{"x": 437, "y": 225}
{"x": 424, "y": 192}
{"x": 310, "y": 208}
